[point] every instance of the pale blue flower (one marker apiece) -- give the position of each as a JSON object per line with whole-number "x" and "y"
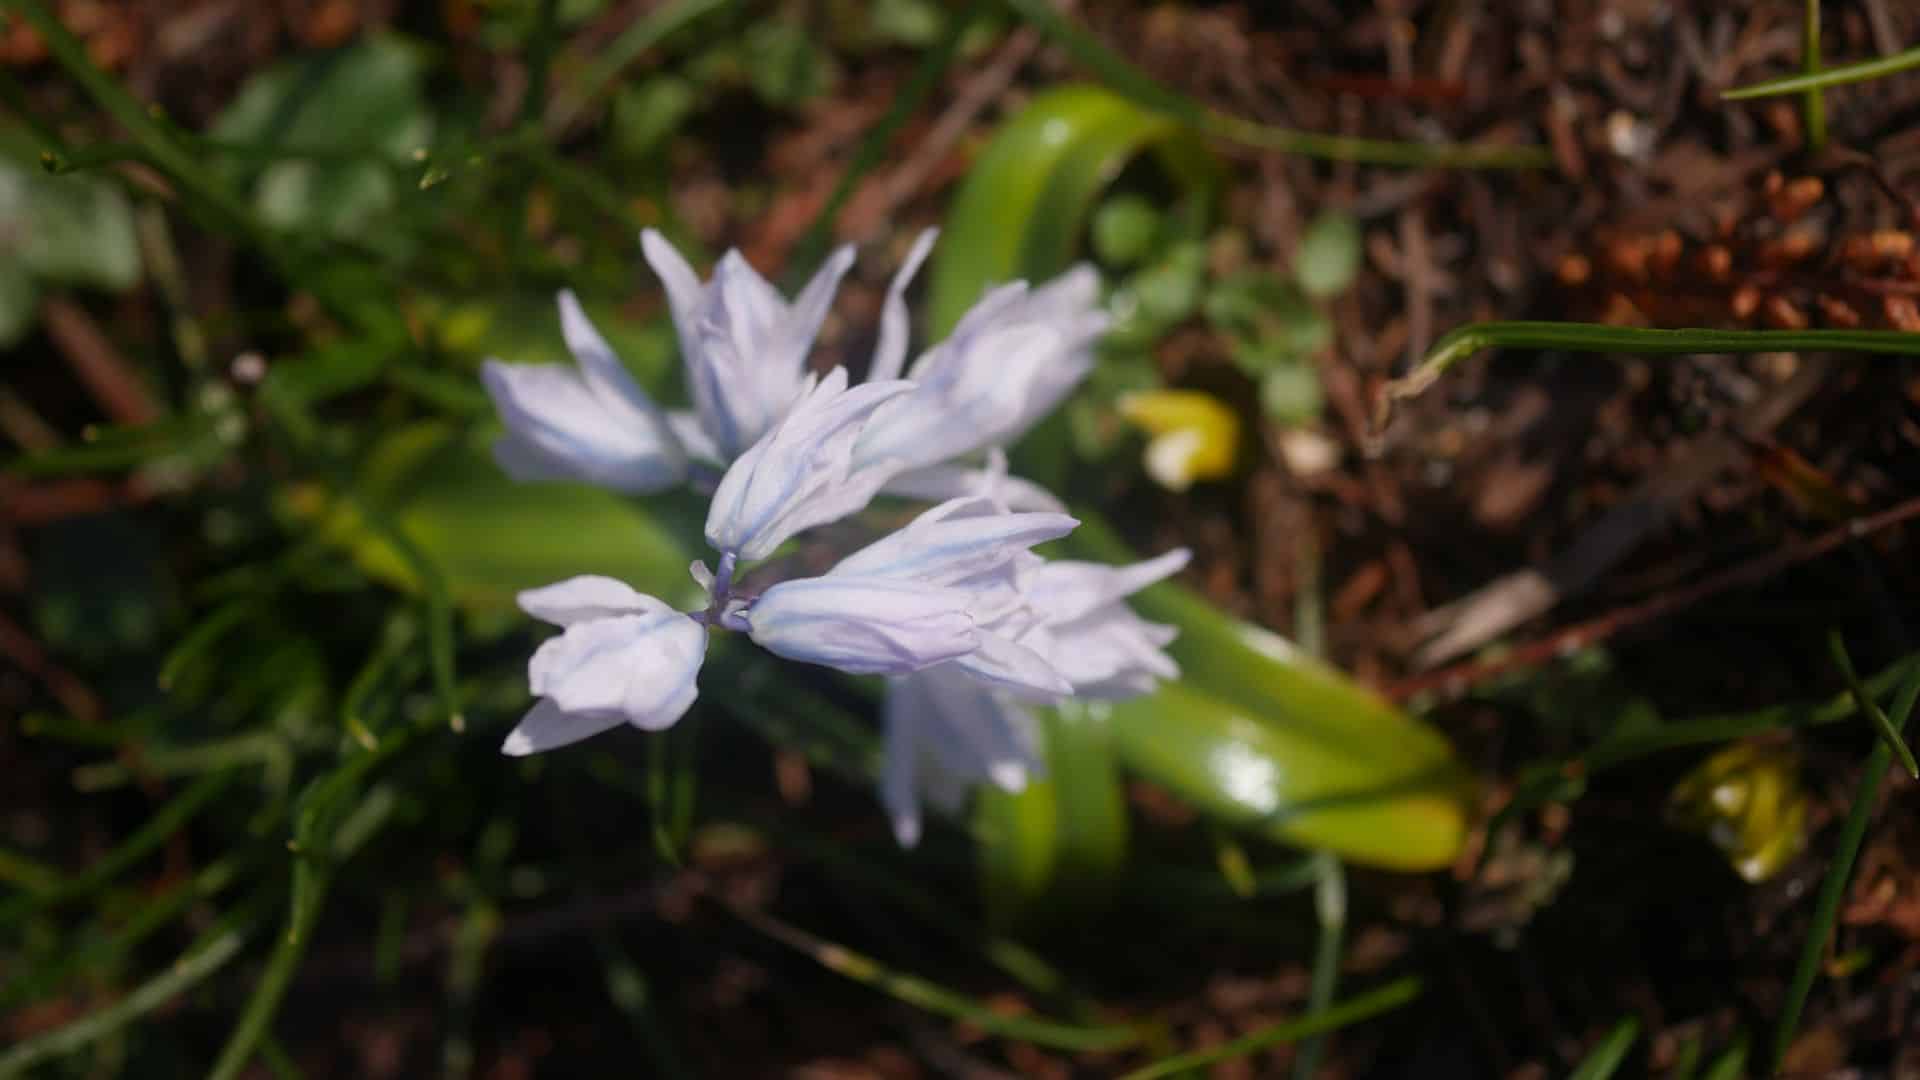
{"x": 866, "y": 626}
{"x": 743, "y": 345}
{"x": 590, "y": 423}
{"x": 801, "y": 472}
{"x": 925, "y": 594}
{"x": 952, "y": 726}
{"x": 1092, "y": 637}
{"x": 944, "y": 734}
{"x": 1009, "y": 361}
{"x": 624, "y": 657}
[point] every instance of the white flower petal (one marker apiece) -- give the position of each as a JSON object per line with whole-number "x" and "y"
{"x": 1065, "y": 589}
{"x": 945, "y": 733}
{"x": 686, "y": 426}
{"x": 589, "y": 596}
{"x": 743, "y": 345}
{"x": 642, "y": 667}
{"x": 1015, "y": 669}
{"x": 899, "y": 774}
{"x": 890, "y": 354}
{"x": 1110, "y": 653}
{"x": 547, "y": 727}
{"x": 684, "y": 291}
{"x": 936, "y": 483}
{"x": 1007, "y": 364}
{"x": 957, "y": 539}
{"x": 560, "y": 426}
{"x": 800, "y": 473}
{"x": 866, "y": 626}
{"x": 523, "y": 461}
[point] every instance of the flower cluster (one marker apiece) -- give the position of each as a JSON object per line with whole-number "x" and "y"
{"x": 955, "y": 608}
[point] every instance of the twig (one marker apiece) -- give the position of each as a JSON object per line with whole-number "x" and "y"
{"x": 1501, "y": 605}
{"x": 868, "y": 211}
{"x": 73, "y": 695}
{"x": 1461, "y": 677}
{"x": 98, "y": 364}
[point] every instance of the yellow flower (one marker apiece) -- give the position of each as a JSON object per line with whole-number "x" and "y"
{"x": 1747, "y": 799}
{"x": 1194, "y": 435}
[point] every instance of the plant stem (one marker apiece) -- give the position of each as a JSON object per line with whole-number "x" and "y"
{"x": 1815, "y": 105}
{"x": 1826, "y": 908}
{"x": 1349, "y": 1012}
{"x": 1464, "y": 341}
{"x": 1840, "y": 75}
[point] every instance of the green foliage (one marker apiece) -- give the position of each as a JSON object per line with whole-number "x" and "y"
{"x": 1606, "y": 1058}
{"x": 487, "y": 535}
{"x": 784, "y": 65}
{"x": 333, "y": 130}
{"x": 647, "y": 115}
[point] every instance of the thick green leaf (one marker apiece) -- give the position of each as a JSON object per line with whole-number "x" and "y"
{"x": 1061, "y": 841}
{"x": 1259, "y": 733}
{"x": 1026, "y": 201}
{"x": 487, "y": 535}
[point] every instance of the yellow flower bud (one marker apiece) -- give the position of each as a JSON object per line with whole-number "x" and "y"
{"x": 1194, "y": 435}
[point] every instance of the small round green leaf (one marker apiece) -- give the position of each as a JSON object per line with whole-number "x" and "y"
{"x": 1329, "y": 254}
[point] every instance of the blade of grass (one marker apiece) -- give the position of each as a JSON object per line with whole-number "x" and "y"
{"x": 1330, "y": 905}
{"x": 1888, "y": 732}
{"x": 438, "y": 602}
{"x": 27, "y": 874}
{"x": 275, "y": 1058}
{"x": 628, "y": 987}
{"x": 1129, "y": 80}
{"x": 1347, "y": 1013}
{"x": 147, "y": 131}
{"x": 97, "y": 955}
{"x": 1826, "y": 907}
{"x": 1464, "y": 341}
{"x": 644, "y": 34}
{"x": 540, "y": 59}
{"x": 670, "y": 781}
{"x": 317, "y": 854}
{"x": 170, "y": 152}
{"x": 213, "y": 951}
{"x": 1010, "y": 956}
{"x": 1731, "y": 1064}
{"x": 1815, "y": 104}
{"x": 166, "y": 821}
{"x": 269, "y": 748}
{"x": 934, "y": 998}
{"x": 1605, "y": 1059}
{"x": 1839, "y": 75}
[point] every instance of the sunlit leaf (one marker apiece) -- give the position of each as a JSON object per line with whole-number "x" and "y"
{"x": 1260, "y": 734}
{"x": 489, "y": 536}
{"x": 1027, "y": 198}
